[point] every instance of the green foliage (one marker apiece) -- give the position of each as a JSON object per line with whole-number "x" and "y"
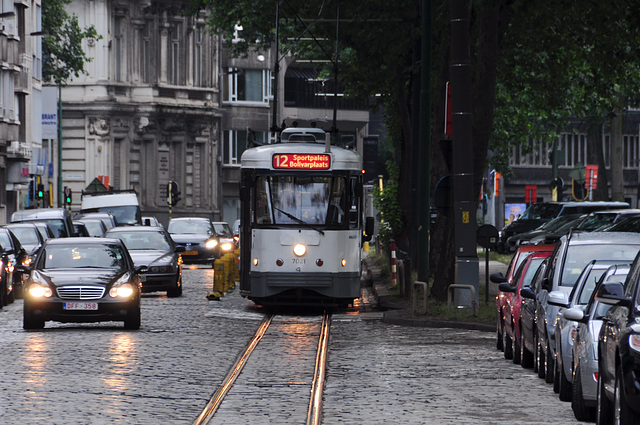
{"x": 386, "y": 201}
{"x": 62, "y": 52}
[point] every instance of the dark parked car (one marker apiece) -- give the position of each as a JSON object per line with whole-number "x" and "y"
{"x": 82, "y": 280}
{"x": 551, "y": 229}
{"x": 539, "y": 213}
{"x": 619, "y": 351}
{"x": 601, "y": 219}
{"x": 17, "y": 259}
{"x": 153, "y": 251}
{"x": 631, "y": 224}
{"x": 198, "y": 237}
{"x": 573, "y": 253}
{"x": 108, "y": 219}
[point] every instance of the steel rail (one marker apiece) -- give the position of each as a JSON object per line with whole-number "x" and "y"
{"x": 232, "y": 375}
{"x": 314, "y": 413}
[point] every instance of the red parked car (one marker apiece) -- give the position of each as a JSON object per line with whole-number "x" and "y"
{"x": 502, "y": 298}
{"x": 511, "y": 336}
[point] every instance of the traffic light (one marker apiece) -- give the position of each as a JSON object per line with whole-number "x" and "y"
{"x": 40, "y": 191}
{"x": 67, "y": 195}
{"x": 173, "y": 193}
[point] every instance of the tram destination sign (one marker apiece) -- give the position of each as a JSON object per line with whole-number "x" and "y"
{"x": 297, "y": 161}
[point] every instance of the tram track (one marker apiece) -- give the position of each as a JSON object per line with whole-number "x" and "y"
{"x": 314, "y": 410}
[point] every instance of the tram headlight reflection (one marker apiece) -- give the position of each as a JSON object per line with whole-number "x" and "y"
{"x": 343, "y": 262}
{"x": 255, "y": 261}
{"x": 299, "y": 250}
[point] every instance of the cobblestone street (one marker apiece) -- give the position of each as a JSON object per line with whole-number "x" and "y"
{"x": 165, "y": 373}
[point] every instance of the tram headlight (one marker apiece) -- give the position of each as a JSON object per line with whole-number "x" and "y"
{"x": 343, "y": 262}
{"x": 299, "y": 250}
{"x": 255, "y": 261}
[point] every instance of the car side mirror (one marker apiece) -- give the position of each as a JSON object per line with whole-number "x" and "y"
{"x": 575, "y": 314}
{"x": 507, "y": 287}
{"x": 612, "y": 293}
{"x": 528, "y": 293}
{"x": 497, "y": 278}
{"x": 558, "y": 298}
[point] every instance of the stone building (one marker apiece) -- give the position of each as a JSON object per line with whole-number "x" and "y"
{"x": 147, "y": 110}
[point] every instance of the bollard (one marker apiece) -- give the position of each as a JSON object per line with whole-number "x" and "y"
{"x": 423, "y": 285}
{"x": 394, "y": 276}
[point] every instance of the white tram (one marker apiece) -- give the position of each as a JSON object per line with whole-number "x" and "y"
{"x": 301, "y": 221}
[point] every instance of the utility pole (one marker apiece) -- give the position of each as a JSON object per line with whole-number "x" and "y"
{"x": 464, "y": 202}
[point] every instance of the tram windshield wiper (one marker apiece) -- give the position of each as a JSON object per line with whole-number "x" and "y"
{"x": 297, "y": 220}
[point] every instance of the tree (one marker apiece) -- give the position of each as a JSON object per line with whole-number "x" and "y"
{"x": 62, "y": 52}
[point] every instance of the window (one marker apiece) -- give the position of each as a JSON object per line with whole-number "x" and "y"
{"x": 197, "y": 58}
{"x": 145, "y": 57}
{"x": 247, "y": 85}
{"x": 235, "y": 143}
{"x": 118, "y": 41}
{"x": 176, "y": 74}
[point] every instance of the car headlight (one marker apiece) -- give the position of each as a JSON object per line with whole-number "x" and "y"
{"x": 227, "y": 246}
{"x": 122, "y": 291}
{"x": 39, "y": 290}
{"x": 123, "y": 288}
{"x": 211, "y": 243}
{"x": 634, "y": 342}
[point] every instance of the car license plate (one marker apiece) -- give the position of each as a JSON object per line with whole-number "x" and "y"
{"x": 80, "y": 306}
{"x": 190, "y": 253}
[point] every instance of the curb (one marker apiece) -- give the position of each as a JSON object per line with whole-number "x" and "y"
{"x": 404, "y": 319}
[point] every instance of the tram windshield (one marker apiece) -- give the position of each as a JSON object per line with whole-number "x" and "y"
{"x": 314, "y": 200}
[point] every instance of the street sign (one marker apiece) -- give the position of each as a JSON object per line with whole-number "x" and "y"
{"x": 530, "y": 194}
{"x": 591, "y": 177}
{"x": 487, "y": 236}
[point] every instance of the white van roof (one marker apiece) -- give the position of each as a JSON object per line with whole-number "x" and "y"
{"x": 90, "y": 201}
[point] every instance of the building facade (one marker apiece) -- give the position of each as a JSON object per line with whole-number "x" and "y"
{"x": 147, "y": 111}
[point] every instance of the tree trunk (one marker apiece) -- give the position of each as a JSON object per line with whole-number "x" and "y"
{"x": 617, "y": 158}
{"x": 595, "y": 155}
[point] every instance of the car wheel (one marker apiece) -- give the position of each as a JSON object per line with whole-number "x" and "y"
{"x": 526, "y": 356}
{"x": 508, "y": 344}
{"x": 622, "y": 413}
{"x": 564, "y": 385}
{"x": 582, "y": 412}
{"x": 499, "y": 343}
{"x": 132, "y": 322}
{"x": 549, "y": 364}
{"x": 31, "y": 322}
{"x": 556, "y": 376}
{"x": 604, "y": 412}
{"x": 517, "y": 353}
{"x": 177, "y": 291}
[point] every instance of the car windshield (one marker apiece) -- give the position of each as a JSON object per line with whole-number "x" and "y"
{"x": 143, "y": 240}
{"x": 589, "y": 285}
{"x": 222, "y": 229}
{"x": 127, "y": 214}
{"x": 531, "y": 271}
{"x": 578, "y": 256}
{"x": 596, "y": 220}
{"x": 629, "y": 225}
{"x": 541, "y": 212}
{"x": 194, "y": 227}
{"x": 26, "y": 236}
{"x": 94, "y": 228}
{"x": 83, "y": 256}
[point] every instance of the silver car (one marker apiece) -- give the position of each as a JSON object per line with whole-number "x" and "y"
{"x": 584, "y": 359}
{"x": 566, "y": 329}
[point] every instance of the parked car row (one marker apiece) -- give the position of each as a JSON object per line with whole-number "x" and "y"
{"x": 569, "y": 312}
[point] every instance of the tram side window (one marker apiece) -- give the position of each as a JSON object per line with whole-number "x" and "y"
{"x": 262, "y": 209}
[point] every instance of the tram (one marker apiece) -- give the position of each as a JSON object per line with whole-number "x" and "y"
{"x": 302, "y": 221}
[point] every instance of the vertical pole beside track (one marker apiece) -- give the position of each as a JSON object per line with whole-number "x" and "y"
{"x": 394, "y": 274}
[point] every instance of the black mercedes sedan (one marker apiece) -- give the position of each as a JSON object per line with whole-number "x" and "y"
{"x": 618, "y": 393}
{"x": 153, "y": 249}
{"x": 82, "y": 280}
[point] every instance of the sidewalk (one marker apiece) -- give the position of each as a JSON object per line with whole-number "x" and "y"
{"x": 399, "y": 310}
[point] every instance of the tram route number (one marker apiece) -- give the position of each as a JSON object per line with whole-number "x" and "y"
{"x": 301, "y": 161}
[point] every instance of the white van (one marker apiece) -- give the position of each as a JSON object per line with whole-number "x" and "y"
{"x": 122, "y": 204}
